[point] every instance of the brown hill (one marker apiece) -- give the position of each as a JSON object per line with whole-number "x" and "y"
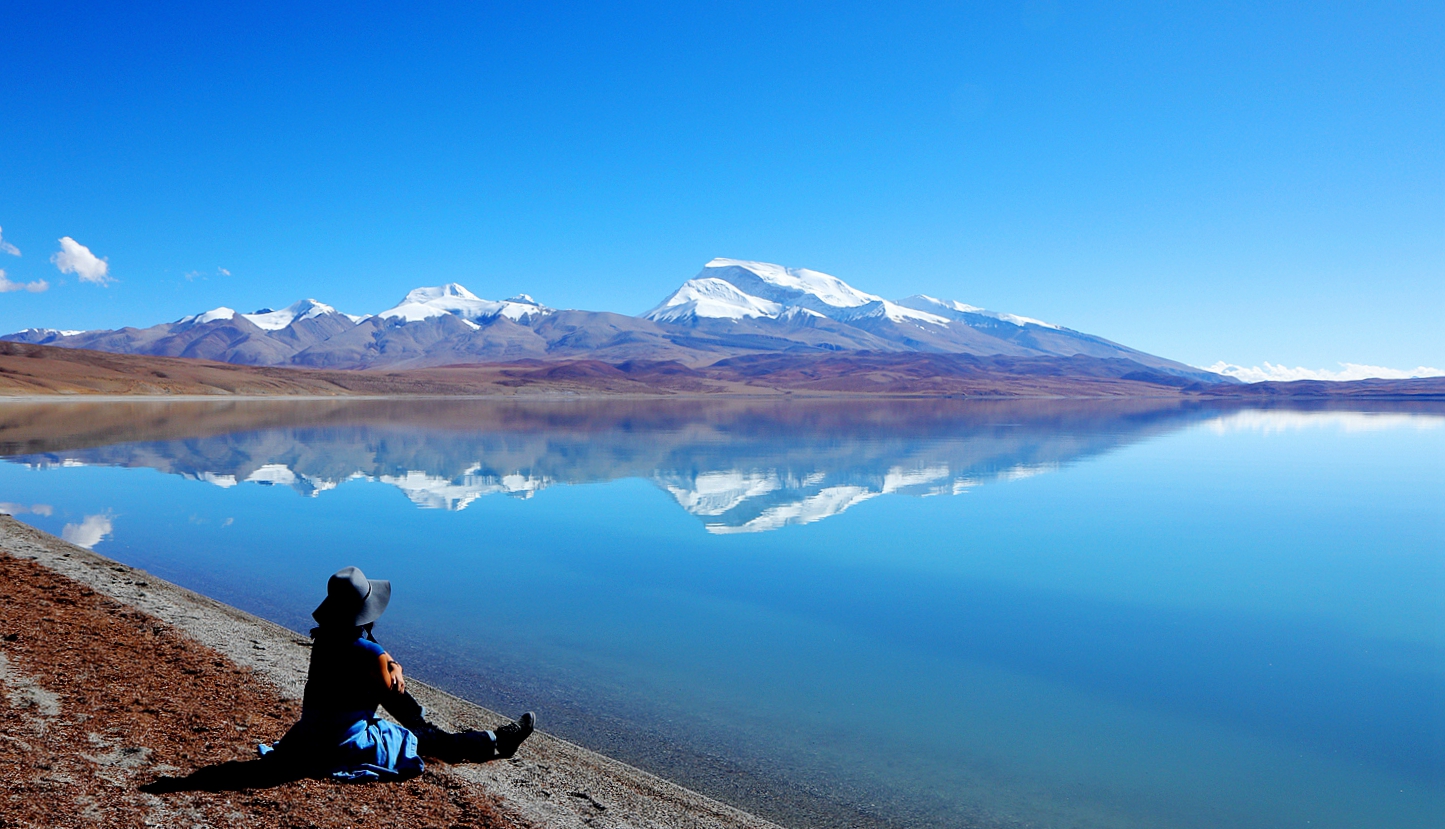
{"x": 31, "y": 369}
{"x": 27, "y": 369}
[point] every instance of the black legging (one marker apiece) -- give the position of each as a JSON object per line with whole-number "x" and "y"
{"x": 431, "y": 741}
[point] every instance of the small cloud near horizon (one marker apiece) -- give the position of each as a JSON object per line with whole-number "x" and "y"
{"x": 6, "y": 286}
{"x": 73, "y": 257}
{"x": 192, "y": 276}
{"x": 89, "y": 532}
{"x": 7, "y": 508}
{"x": 1348, "y": 371}
{"x": 6, "y": 247}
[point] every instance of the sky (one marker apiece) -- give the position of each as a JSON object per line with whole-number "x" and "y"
{"x": 1237, "y": 182}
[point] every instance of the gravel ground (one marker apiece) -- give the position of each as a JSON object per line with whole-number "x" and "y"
{"x": 113, "y": 680}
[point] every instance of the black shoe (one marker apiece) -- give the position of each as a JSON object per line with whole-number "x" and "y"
{"x": 511, "y": 735}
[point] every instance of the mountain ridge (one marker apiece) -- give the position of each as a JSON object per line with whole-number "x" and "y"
{"x": 732, "y": 308}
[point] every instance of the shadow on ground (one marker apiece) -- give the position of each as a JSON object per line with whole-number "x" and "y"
{"x": 234, "y": 775}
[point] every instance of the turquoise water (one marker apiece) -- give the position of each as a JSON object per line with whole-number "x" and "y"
{"x": 909, "y": 613}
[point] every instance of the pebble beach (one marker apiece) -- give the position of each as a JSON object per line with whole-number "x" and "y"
{"x": 119, "y": 686}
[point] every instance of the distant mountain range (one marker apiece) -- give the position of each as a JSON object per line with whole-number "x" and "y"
{"x": 732, "y": 308}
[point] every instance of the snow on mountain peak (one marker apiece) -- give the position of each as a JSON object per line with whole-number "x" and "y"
{"x": 442, "y": 293}
{"x": 714, "y": 299}
{"x": 798, "y": 312}
{"x": 265, "y": 318}
{"x": 51, "y": 332}
{"x": 882, "y": 308}
{"x": 736, "y": 289}
{"x": 515, "y": 309}
{"x": 419, "y": 304}
{"x": 788, "y": 286}
{"x": 276, "y": 320}
{"x": 42, "y": 336}
{"x": 222, "y": 313}
{"x": 961, "y": 311}
{"x": 425, "y": 303}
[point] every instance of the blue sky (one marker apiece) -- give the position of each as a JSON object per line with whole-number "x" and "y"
{"x": 1243, "y": 182}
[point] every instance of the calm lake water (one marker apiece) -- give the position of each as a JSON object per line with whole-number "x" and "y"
{"x": 911, "y": 613}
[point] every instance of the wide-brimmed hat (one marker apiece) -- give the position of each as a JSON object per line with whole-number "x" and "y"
{"x": 352, "y": 599}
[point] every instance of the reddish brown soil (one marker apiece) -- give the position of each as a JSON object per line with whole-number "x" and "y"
{"x": 45, "y": 370}
{"x": 37, "y": 369}
{"x": 100, "y": 699}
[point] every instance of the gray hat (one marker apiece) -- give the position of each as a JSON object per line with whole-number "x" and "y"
{"x": 352, "y": 599}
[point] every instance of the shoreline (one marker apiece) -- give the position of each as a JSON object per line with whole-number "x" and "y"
{"x": 30, "y": 372}
{"x": 551, "y": 782}
{"x": 1270, "y": 394}
{"x": 557, "y": 397}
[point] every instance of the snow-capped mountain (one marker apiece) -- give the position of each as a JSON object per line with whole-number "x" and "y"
{"x": 266, "y": 319}
{"x": 735, "y": 289}
{"x": 954, "y": 310}
{"x": 304, "y": 310}
{"x": 40, "y": 336}
{"x": 733, "y": 308}
{"x": 451, "y": 298}
{"x": 736, "y": 297}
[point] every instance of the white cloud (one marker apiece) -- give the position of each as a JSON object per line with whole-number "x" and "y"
{"x": 192, "y": 276}
{"x": 7, "y": 508}
{"x": 6, "y": 247}
{"x": 73, "y": 257}
{"x": 1348, "y": 371}
{"x": 89, "y": 532}
{"x": 6, "y": 286}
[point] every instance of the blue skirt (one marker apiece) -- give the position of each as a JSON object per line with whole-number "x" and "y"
{"x": 358, "y": 747}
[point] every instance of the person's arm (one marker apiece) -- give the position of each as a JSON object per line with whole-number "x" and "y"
{"x": 390, "y": 673}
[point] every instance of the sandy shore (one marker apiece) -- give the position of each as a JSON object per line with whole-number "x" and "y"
{"x": 114, "y": 679}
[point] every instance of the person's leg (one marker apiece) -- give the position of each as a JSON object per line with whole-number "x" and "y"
{"x": 431, "y": 741}
{"x": 464, "y": 746}
{"x": 407, "y": 711}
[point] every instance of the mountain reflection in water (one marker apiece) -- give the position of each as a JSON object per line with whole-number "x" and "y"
{"x": 739, "y": 466}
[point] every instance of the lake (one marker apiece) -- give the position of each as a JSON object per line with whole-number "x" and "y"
{"x": 903, "y": 613}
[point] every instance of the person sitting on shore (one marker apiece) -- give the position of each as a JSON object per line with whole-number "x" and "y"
{"x": 350, "y": 675}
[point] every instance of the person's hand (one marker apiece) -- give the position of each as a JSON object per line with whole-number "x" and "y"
{"x": 397, "y": 681}
{"x": 391, "y": 675}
